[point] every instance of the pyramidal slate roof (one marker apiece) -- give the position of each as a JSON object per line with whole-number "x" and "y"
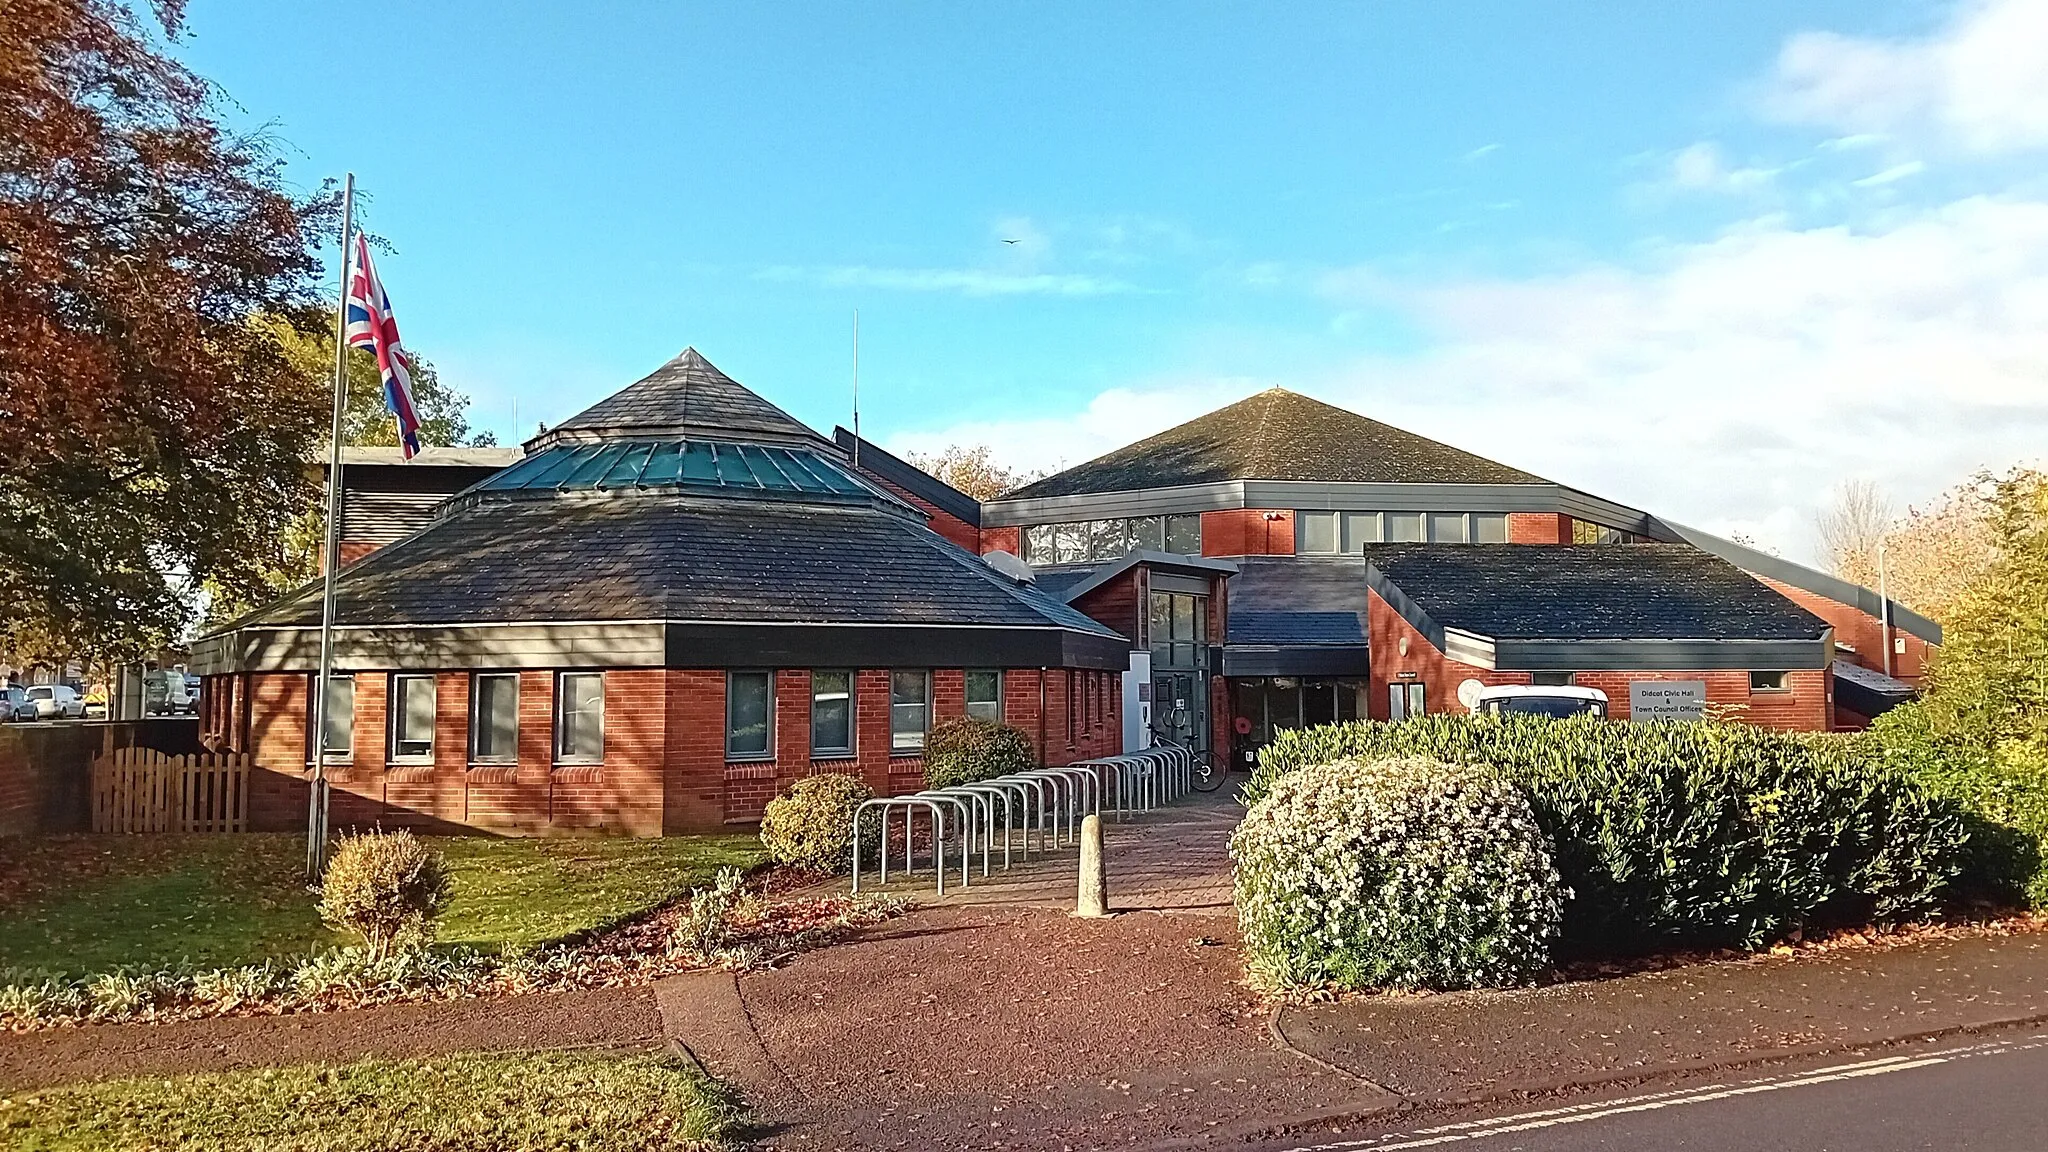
{"x": 1277, "y": 435}
{"x": 688, "y": 396}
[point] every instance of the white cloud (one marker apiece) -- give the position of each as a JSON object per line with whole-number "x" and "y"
{"x": 1892, "y": 174}
{"x": 1480, "y": 153}
{"x": 966, "y": 281}
{"x": 1702, "y": 167}
{"x": 1727, "y": 383}
{"x": 1980, "y": 83}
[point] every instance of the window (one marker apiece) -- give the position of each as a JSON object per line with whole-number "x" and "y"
{"x": 1766, "y": 681}
{"x": 1404, "y": 527}
{"x": 1446, "y": 527}
{"x": 1360, "y": 529}
{"x": 1087, "y": 541}
{"x": 412, "y": 719}
{"x": 1315, "y": 532}
{"x": 832, "y": 713}
{"x": 749, "y": 715}
{"x": 910, "y": 708}
{"x": 494, "y": 718}
{"x": 985, "y": 694}
{"x": 1489, "y": 528}
{"x": 1406, "y": 699}
{"x": 338, "y": 729}
{"x": 579, "y": 718}
{"x": 1553, "y": 679}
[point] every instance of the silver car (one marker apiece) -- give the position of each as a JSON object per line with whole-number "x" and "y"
{"x": 14, "y": 704}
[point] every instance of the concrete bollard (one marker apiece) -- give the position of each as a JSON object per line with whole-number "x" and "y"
{"x": 1094, "y": 898}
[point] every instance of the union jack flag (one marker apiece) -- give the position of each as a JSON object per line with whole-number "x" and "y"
{"x": 371, "y": 325}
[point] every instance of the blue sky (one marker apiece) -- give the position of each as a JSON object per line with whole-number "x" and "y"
{"x": 1705, "y": 258}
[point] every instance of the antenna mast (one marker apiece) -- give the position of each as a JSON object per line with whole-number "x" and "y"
{"x": 856, "y": 389}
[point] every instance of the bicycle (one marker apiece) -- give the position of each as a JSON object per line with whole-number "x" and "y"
{"x": 1206, "y": 774}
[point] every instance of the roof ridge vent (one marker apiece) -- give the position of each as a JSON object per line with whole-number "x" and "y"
{"x": 1010, "y": 565}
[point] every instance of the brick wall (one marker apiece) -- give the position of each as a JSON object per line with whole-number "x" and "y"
{"x": 1806, "y": 705}
{"x": 1862, "y": 632}
{"x": 1539, "y": 528}
{"x": 1247, "y": 532}
{"x": 1009, "y": 540}
{"x": 944, "y": 523}
{"x": 664, "y": 767}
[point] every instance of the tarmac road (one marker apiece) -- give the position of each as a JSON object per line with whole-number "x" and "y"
{"x": 1967, "y": 1096}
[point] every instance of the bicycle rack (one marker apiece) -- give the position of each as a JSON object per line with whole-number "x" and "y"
{"x": 1058, "y": 795}
{"x": 910, "y": 805}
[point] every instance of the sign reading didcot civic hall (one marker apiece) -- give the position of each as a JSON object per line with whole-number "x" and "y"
{"x": 1667, "y": 699}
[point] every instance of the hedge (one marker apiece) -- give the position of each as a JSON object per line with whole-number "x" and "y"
{"x": 811, "y": 824}
{"x": 2001, "y": 786}
{"x": 1702, "y": 834}
{"x": 1396, "y": 874}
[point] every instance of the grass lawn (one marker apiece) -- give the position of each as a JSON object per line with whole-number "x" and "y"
{"x": 472, "y": 1103}
{"x": 84, "y": 904}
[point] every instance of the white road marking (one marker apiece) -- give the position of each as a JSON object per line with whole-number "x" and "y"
{"x": 1653, "y": 1101}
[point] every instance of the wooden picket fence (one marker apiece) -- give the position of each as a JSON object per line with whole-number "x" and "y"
{"x": 139, "y": 790}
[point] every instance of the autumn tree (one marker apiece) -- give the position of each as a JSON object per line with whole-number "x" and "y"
{"x": 972, "y": 469}
{"x": 1930, "y": 554}
{"x": 152, "y": 435}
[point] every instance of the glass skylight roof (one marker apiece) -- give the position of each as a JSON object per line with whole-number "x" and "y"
{"x": 695, "y": 464}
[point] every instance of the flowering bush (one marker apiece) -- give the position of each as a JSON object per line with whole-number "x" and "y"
{"x": 1395, "y": 874}
{"x": 811, "y": 825}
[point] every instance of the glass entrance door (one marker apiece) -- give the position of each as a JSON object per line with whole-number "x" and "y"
{"x": 1180, "y": 708}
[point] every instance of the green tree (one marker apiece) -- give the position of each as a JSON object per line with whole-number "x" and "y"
{"x": 1990, "y": 679}
{"x": 443, "y": 411}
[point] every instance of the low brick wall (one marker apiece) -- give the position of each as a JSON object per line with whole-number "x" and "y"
{"x": 45, "y": 769}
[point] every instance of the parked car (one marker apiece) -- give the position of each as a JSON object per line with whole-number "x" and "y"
{"x": 55, "y": 701}
{"x": 14, "y": 704}
{"x": 1554, "y": 700}
{"x": 191, "y": 693}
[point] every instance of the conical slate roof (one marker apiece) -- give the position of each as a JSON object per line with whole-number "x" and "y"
{"x": 1277, "y": 435}
{"x": 688, "y": 396}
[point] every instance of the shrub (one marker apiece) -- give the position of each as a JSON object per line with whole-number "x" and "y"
{"x": 1395, "y": 873}
{"x": 2002, "y": 790}
{"x": 963, "y": 750}
{"x": 387, "y": 888}
{"x": 1698, "y": 834}
{"x": 811, "y": 825}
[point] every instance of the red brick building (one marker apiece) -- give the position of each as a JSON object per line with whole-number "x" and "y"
{"x": 671, "y": 606}
{"x": 677, "y": 602}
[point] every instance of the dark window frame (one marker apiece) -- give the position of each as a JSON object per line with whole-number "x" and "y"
{"x": 767, "y": 749}
{"x": 897, "y": 742}
{"x": 327, "y": 755}
{"x": 967, "y": 693}
{"x": 562, "y": 679}
{"x": 394, "y": 715}
{"x": 1553, "y": 679}
{"x": 1771, "y": 680}
{"x": 851, "y": 747}
{"x": 476, "y": 715}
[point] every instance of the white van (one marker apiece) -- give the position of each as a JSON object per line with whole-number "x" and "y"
{"x": 55, "y": 701}
{"x": 1554, "y": 700}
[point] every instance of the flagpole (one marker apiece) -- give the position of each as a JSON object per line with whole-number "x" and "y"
{"x": 856, "y": 389}
{"x": 330, "y": 558}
